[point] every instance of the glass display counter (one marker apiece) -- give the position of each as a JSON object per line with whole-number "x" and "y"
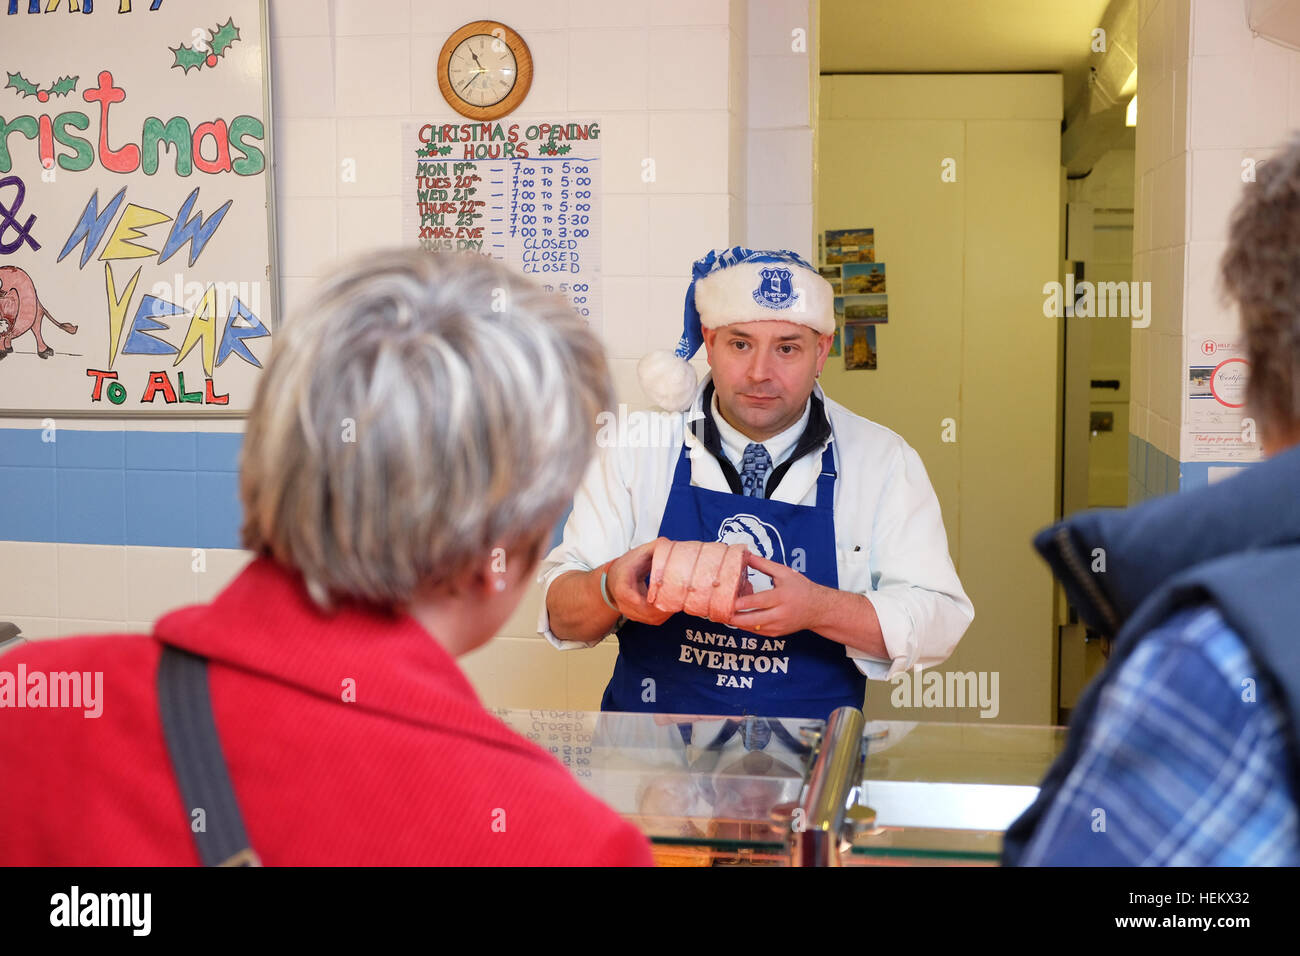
{"x": 712, "y": 791}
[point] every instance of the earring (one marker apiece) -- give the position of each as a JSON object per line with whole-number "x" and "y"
{"x": 500, "y": 585}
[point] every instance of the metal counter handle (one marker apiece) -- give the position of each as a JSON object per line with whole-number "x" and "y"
{"x": 836, "y": 771}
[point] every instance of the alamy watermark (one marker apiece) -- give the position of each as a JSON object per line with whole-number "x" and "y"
{"x": 191, "y": 296}
{"x": 1086, "y": 300}
{"x": 129, "y": 910}
{"x": 638, "y": 429}
{"x": 74, "y": 689}
{"x": 931, "y": 689}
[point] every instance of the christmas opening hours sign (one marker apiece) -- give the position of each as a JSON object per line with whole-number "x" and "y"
{"x": 526, "y": 194}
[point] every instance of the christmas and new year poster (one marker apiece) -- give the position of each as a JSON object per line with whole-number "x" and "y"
{"x": 136, "y": 241}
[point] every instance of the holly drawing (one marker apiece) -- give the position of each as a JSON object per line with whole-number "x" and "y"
{"x": 207, "y": 53}
{"x": 24, "y": 87}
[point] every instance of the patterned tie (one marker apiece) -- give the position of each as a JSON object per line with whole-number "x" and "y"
{"x": 753, "y": 469}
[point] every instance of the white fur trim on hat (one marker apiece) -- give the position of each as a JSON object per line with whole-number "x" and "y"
{"x": 667, "y": 379}
{"x": 736, "y": 294}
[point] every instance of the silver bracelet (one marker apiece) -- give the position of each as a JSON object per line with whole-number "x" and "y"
{"x": 605, "y": 594}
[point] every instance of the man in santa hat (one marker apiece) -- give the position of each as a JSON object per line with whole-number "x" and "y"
{"x": 777, "y": 550}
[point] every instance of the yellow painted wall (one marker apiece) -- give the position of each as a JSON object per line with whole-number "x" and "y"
{"x": 966, "y": 339}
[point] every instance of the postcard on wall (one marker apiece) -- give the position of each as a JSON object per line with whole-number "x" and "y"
{"x": 835, "y": 342}
{"x": 859, "y": 345}
{"x": 863, "y": 240}
{"x": 839, "y": 254}
{"x": 863, "y": 277}
{"x": 864, "y": 308}
{"x": 832, "y": 275}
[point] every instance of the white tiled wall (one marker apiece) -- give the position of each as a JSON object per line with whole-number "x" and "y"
{"x": 1223, "y": 96}
{"x": 1160, "y": 207}
{"x": 708, "y": 89}
{"x": 57, "y": 590}
{"x": 779, "y": 120}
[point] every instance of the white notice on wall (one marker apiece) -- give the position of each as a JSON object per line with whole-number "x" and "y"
{"x": 1217, "y": 425}
{"x": 524, "y": 193}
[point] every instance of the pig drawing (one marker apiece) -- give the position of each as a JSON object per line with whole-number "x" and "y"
{"x": 21, "y": 311}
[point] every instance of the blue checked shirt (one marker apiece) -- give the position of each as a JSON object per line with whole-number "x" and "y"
{"x": 1186, "y": 771}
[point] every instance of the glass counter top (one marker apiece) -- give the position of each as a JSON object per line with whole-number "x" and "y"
{"x": 684, "y": 781}
{"x": 945, "y": 792}
{"x": 714, "y": 790}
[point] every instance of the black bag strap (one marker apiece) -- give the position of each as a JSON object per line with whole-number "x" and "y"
{"x": 197, "y": 760}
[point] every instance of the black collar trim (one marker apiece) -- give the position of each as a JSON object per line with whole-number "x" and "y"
{"x": 815, "y": 434}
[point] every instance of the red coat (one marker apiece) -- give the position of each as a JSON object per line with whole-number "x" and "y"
{"x": 414, "y": 772}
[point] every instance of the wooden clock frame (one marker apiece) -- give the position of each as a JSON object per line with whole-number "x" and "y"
{"x": 523, "y": 68}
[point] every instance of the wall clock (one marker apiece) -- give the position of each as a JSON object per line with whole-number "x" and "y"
{"x": 484, "y": 70}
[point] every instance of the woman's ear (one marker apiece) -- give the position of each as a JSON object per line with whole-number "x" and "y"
{"x": 490, "y": 578}
{"x": 504, "y": 562}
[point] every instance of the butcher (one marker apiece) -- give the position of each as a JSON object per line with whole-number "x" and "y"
{"x": 774, "y": 551}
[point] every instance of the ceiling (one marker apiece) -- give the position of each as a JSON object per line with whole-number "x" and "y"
{"x": 960, "y": 36}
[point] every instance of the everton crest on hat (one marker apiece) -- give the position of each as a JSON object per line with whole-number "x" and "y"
{"x": 730, "y": 286}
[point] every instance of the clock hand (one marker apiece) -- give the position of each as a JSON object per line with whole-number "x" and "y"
{"x": 475, "y": 76}
{"x": 471, "y": 53}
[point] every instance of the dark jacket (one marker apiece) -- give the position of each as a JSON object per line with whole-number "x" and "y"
{"x": 1235, "y": 545}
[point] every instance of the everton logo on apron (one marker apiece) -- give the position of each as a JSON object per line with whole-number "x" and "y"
{"x": 689, "y": 665}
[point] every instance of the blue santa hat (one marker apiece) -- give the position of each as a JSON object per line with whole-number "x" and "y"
{"x": 730, "y": 286}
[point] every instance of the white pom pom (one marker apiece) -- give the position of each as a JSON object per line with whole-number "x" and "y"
{"x": 667, "y": 380}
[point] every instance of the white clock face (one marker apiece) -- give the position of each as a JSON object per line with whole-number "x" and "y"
{"x": 482, "y": 70}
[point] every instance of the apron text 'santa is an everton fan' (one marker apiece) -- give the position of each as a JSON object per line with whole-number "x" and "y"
{"x": 689, "y": 665}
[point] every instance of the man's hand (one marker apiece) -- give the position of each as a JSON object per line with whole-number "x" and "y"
{"x": 671, "y": 572}
{"x": 625, "y": 581}
{"x": 700, "y": 578}
{"x": 791, "y": 604}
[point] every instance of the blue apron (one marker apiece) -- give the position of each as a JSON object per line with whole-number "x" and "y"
{"x": 701, "y": 667}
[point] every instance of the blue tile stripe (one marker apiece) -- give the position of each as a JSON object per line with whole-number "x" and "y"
{"x": 1153, "y": 473}
{"x": 162, "y": 489}
{"x": 181, "y": 489}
